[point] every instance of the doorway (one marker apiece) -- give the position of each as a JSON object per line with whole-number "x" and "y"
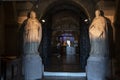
{"x": 66, "y": 24}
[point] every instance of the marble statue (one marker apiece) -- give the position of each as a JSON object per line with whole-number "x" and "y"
{"x": 98, "y": 62}
{"x": 98, "y": 33}
{"x": 32, "y": 35}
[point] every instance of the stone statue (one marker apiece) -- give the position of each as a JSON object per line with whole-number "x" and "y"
{"x": 98, "y": 32}
{"x": 32, "y": 34}
{"x": 98, "y": 61}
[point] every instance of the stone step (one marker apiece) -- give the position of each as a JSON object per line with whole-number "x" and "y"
{"x": 64, "y": 78}
{"x": 65, "y": 74}
{"x": 61, "y": 76}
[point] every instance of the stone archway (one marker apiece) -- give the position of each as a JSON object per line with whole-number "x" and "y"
{"x": 44, "y": 6}
{"x": 54, "y": 8}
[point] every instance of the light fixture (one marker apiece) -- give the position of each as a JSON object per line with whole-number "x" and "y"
{"x": 86, "y": 20}
{"x": 43, "y": 20}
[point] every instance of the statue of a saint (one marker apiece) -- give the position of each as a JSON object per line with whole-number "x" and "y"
{"x": 32, "y": 34}
{"x": 32, "y": 62}
{"x": 98, "y": 62}
{"x": 98, "y": 33}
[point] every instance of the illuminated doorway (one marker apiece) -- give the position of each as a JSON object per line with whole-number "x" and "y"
{"x": 64, "y": 24}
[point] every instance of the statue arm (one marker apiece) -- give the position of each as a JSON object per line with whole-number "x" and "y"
{"x": 97, "y": 29}
{"x": 92, "y": 24}
{"x": 102, "y": 27}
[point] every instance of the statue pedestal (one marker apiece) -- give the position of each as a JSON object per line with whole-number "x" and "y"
{"x": 98, "y": 68}
{"x": 32, "y": 67}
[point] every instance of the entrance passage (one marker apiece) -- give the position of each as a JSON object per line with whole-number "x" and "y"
{"x": 64, "y": 45}
{"x": 65, "y": 63}
{"x": 65, "y": 55}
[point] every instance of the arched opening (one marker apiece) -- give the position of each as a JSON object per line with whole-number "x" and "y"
{"x": 65, "y": 22}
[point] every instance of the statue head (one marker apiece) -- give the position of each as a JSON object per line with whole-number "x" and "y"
{"x": 97, "y": 13}
{"x": 32, "y": 15}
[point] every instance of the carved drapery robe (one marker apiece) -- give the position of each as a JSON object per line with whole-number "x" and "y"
{"x": 98, "y": 33}
{"x": 32, "y": 37}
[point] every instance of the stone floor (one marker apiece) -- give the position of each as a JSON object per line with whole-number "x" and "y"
{"x": 65, "y": 63}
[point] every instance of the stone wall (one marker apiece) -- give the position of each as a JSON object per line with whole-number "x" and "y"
{"x": 117, "y": 39}
{"x": 2, "y": 48}
{"x": 87, "y": 6}
{"x": 14, "y": 14}
{"x": 10, "y": 27}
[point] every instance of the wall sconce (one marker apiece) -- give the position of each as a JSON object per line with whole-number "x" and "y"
{"x": 43, "y": 21}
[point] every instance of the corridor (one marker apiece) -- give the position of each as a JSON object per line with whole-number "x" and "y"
{"x": 65, "y": 63}
{"x": 61, "y": 21}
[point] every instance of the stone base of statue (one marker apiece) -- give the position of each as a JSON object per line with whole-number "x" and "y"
{"x": 32, "y": 67}
{"x": 98, "y": 68}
